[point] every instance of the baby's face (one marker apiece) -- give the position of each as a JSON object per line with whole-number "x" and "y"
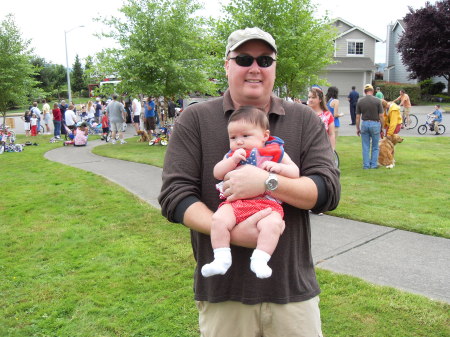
{"x": 246, "y": 136}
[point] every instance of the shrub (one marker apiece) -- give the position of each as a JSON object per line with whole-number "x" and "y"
{"x": 391, "y": 90}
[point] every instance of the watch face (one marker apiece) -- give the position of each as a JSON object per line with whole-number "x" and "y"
{"x": 272, "y": 184}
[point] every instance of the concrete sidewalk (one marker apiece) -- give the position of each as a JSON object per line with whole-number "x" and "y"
{"x": 381, "y": 255}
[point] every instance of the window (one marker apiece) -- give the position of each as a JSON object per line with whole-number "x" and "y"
{"x": 355, "y": 48}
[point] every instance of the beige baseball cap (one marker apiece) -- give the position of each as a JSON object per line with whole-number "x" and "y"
{"x": 368, "y": 87}
{"x": 239, "y": 37}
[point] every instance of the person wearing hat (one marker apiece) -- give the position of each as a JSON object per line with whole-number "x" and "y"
{"x": 369, "y": 119}
{"x": 238, "y": 303}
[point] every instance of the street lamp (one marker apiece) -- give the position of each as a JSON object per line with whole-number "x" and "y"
{"x": 67, "y": 62}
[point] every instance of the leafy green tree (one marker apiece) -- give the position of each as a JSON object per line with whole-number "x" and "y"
{"x": 305, "y": 43}
{"x": 77, "y": 78}
{"x": 51, "y": 78}
{"x": 425, "y": 44}
{"x": 161, "y": 49}
{"x": 16, "y": 70}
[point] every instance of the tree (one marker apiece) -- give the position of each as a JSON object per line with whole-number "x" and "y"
{"x": 305, "y": 44}
{"x": 77, "y": 76}
{"x": 161, "y": 52}
{"x": 425, "y": 44}
{"x": 16, "y": 70}
{"x": 51, "y": 78}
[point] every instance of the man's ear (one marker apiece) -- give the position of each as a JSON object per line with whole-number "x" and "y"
{"x": 226, "y": 65}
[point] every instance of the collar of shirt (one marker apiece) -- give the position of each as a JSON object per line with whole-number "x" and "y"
{"x": 276, "y": 105}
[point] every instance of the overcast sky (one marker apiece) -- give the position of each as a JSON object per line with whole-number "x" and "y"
{"x": 46, "y": 21}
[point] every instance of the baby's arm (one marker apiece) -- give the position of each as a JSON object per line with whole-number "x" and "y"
{"x": 286, "y": 168}
{"x": 228, "y": 164}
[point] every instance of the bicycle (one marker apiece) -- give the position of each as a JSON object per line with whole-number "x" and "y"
{"x": 413, "y": 121}
{"x": 429, "y": 125}
{"x": 336, "y": 159}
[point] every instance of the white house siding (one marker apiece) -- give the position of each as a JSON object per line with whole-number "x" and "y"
{"x": 369, "y": 44}
{"x": 344, "y": 80}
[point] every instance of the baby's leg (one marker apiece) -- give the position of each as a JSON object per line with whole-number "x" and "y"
{"x": 223, "y": 222}
{"x": 270, "y": 229}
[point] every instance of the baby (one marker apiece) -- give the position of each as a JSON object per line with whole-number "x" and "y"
{"x": 250, "y": 143}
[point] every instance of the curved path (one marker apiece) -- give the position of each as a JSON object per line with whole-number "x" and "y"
{"x": 382, "y": 255}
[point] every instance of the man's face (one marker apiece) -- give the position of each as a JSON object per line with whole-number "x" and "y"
{"x": 251, "y": 85}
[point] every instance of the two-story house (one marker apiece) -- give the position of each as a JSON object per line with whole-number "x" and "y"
{"x": 355, "y": 58}
{"x": 395, "y": 70}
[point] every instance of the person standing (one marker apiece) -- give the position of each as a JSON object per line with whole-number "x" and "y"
{"x": 98, "y": 110}
{"x": 27, "y": 123}
{"x": 405, "y": 102}
{"x": 238, "y": 303}
{"x": 353, "y": 97}
{"x": 63, "y": 107}
{"x": 46, "y": 116}
{"x": 379, "y": 94}
{"x": 149, "y": 114}
{"x": 35, "y": 110}
{"x": 136, "y": 111}
{"x": 333, "y": 107}
{"x": 56, "y": 121}
{"x": 369, "y": 119}
{"x": 117, "y": 116}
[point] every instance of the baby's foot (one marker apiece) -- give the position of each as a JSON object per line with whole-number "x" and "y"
{"x": 217, "y": 267}
{"x": 260, "y": 268}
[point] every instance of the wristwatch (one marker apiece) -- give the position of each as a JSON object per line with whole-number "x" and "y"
{"x": 271, "y": 182}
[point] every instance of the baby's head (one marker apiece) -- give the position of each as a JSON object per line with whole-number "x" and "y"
{"x": 248, "y": 128}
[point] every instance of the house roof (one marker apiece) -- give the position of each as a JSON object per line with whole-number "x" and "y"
{"x": 377, "y": 39}
{"x": 400, "y": 23}
{"x": 352, "y": 63}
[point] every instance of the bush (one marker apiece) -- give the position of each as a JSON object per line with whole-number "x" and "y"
{"x": 391, "y": 90}
{"x": 428, "y": 87}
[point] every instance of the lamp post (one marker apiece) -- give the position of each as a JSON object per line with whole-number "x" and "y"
{"x": 67, "y": 62}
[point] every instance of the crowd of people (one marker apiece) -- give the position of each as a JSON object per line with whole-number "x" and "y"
{"x": 144, "y": 113}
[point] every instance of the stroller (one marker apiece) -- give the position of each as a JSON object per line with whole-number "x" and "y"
{"x": 94, "y": 128}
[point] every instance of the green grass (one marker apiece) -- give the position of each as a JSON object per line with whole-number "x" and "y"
{"x": 81, "y": 256}
{"x": 412, "y": 196}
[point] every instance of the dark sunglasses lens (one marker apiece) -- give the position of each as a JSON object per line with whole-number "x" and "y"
{"x": 244, "y": 60}
{"x": 264, "y": 61}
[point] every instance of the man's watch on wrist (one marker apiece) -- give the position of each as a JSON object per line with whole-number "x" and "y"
{"x": 271, "y": 183}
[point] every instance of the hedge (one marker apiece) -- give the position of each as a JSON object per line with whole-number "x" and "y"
{"x": 391, "y": 90}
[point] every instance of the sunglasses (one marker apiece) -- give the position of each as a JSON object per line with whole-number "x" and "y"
{"x": 263, "y": 61}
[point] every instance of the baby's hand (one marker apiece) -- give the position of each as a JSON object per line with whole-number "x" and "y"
{"x": 239, "y": 155}
{"x": 271, "y": 166}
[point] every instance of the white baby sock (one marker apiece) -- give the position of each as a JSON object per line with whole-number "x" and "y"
{"x": 258, "y": 264}
{"x": 221, "y": 263}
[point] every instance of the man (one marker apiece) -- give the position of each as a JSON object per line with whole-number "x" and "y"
{"x": 150, "y": 116}
{"x": 237, "y": 303}
{"x": 370, "y": 111}
{"x": 405, "y": 102}
{"x": 70, "y": 117}
{"x": 63, "y": 107}
{"x": 117, "y": 116}
{"x": 136, "y": 110}
{"x": 46, "y": 116}
{"x": 35, "y": 110}
{"x": 353, "y": 97}
{"x": 379, "y": 94}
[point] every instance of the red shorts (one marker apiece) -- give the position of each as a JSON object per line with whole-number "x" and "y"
{"x": 247, "y": 207}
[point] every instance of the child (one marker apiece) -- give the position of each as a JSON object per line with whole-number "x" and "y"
{"x": 34, "y": 124}
{"x": 437, "y": 115}
{"x": 105, "y": 126}
{"x": 26, "y": 123}
{"x": 250, "y": 142}
{"x": 81, "y": 135}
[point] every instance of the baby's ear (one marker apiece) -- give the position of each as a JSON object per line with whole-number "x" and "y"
{"x": 266, "y": 135}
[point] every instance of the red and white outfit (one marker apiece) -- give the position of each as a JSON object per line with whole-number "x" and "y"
{"x": 327, "y": 118}
{"x": 273, "y": 151}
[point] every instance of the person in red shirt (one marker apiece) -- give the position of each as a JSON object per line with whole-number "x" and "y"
{"x": 56, "y": 121}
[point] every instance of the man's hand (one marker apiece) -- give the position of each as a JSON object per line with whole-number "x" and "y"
{"x": 247, "y": 181}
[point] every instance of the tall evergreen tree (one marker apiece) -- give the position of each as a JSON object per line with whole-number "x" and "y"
{"x": 77, "y": 80}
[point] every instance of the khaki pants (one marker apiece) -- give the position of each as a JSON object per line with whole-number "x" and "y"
{"x": 234, "y": 319}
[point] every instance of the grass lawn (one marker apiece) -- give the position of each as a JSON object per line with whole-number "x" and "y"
{"x": 411, "y": 196}
{"x": 81, "y": 256}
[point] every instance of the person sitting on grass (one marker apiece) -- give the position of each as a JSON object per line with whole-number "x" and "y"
{"x": 250, "y": 143}
{"x": 81, "y": 135}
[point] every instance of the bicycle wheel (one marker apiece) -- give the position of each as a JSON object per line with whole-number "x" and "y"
{"x": 336, "y": 159}
{"x": 441, "y": 129}
{"x": 412, "y": 122}
{"x": 422, "y": 129}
